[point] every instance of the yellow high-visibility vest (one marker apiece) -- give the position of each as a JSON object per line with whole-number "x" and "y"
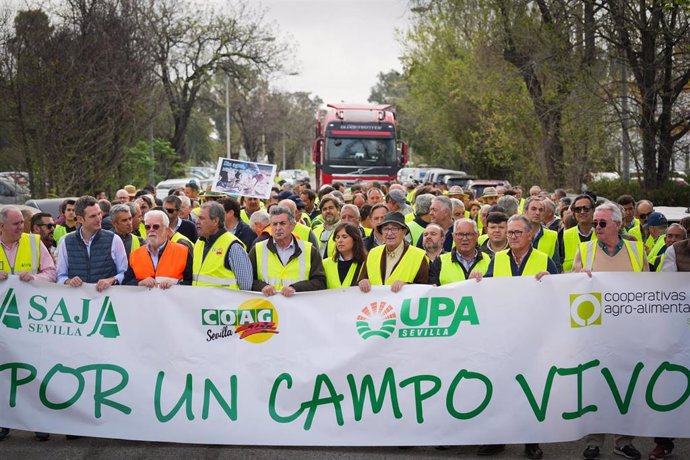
{"x": 28, "y": 257}
{"x": 271, "y": 270}
{"x": 537, "y": 262}
{"x": 405, "y": 271}
{"x": 635, "y": 252}
{"x": 451, "y": 271}
{"x": 211, "y": 271}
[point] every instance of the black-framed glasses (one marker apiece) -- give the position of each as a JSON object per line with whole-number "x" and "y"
{"x": 515, "y": 233}
{"x": 580, "y": 209}
{"x": 153, "y": 226}
{"x": 170, "y": 210}
{"x": 463, "y": 236}
{"x": 599, "y": 223}
{"x": 643, "y": 216}
{"x": 48, "y": 226}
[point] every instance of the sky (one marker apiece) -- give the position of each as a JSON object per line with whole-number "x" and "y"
{"x": 339, "y": 45}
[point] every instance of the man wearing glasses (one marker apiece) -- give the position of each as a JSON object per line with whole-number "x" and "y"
{"x": 521, "y": 259}
{"x": 396, "y": 262}
{"x": 464, "y": 261}
{"x": 172, "y": 205}
{"x": 610, "y": 253}
{"x": 42, "y": 224}
{"x": 644, "y": 209}
{"x": 583, "y": 210}
{"x": 160, "y": 263}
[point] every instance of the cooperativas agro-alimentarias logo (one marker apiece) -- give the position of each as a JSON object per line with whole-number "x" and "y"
{"x": 585, "y": 309}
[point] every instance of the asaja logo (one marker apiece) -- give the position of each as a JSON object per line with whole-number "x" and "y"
{"x": 255, "y": 320}
{"x": 377, "y": 319}
{"x": 585, "y": 309}
{"x": 46, "y": 315}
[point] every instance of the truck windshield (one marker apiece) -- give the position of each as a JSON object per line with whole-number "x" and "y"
{"x": 357, "y": 151}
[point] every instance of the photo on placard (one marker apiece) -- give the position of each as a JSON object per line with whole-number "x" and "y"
{"x": 244, "y": 178}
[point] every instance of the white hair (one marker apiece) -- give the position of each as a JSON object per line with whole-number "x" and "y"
{"x": 156, "y": 213}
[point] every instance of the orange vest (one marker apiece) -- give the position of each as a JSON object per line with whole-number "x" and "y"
{"x": 170, "y": 265}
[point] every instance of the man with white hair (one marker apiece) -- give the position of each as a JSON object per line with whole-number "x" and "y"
{"x": 349, "y": 214}
{"x": 421, "y": 217}
{"x": 441, "y": 212}
{"x": 609, "y": 252}
{"x": 464, "y": 260}
{"x": 160, "y": 263}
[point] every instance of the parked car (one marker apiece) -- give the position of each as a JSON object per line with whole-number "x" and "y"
{"x": 21, "y": 207}
{"x": 460, "y": 180}
{"x": 436, "y": 175}
{"x": 12, "y": 192}
{"x": 412, "y": 174}
{"x": 49, "y": 205}
{"x": 163, "y": 187}
{"x": 293, "y": 175}
{"x": 478, "y": 185}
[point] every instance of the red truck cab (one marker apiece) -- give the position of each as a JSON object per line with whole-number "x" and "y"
{"x": 357, "y": 143}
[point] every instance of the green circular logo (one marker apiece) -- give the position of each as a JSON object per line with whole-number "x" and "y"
{"x": 377, "y": 319}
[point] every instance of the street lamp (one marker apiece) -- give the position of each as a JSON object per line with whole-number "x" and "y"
{"x": 227, "y": 116}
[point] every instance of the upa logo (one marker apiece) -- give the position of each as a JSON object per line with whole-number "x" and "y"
{"x": 585, "y": 309}
{"x": 255, "y": 321}
{"x": 45, "y": 315}
{"x": 436, "y": 316}
{"x": 377, "y": 319}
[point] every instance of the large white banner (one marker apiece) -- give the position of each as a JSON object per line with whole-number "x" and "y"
{"x": 500, "y": 361}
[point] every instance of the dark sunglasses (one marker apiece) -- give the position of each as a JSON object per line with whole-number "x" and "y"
{"x": 580, "y": 209}
{"x": 154, "y": 226}
{"x": 643, "y": 216}
{"x": 170, "y": 210}
{"x": 599, "y": 223}
{"x": 48, "y": 226}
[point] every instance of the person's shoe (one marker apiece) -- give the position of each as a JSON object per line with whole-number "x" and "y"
{"x": 591, "y": 453}
{"x": 42, "y": 436}
{"x": 661, "y": 451}
{"x": 627, "y": 451}
{"x": 4, "y": 432}
{"x": 490, "y": 449}
{"x": 533, "y": 451}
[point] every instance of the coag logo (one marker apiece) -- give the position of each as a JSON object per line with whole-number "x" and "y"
{"x": 585, "y": 309}
{"x": 377, "y": 319}
{"x": 255, "y": 320}
{"x": 46, "y": 315}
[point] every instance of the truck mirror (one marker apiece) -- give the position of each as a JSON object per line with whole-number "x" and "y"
{"x": 316, "y": 152}
{"x": 402, "y": 153}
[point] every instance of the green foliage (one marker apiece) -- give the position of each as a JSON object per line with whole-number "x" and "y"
{"x": 668, "y": 194}
{"x": 140, "y": 168}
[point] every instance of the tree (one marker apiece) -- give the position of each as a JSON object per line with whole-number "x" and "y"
{"x": 77, "y": 88}
{"x": 191, "y": 44}
{"x": 653, "y": 38}
{"x": 390, "y": 88}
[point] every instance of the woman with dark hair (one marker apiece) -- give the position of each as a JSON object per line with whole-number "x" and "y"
{"x": 342, "y": 270}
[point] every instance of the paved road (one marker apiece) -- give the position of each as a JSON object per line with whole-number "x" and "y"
{"x": 21, "y": 445}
